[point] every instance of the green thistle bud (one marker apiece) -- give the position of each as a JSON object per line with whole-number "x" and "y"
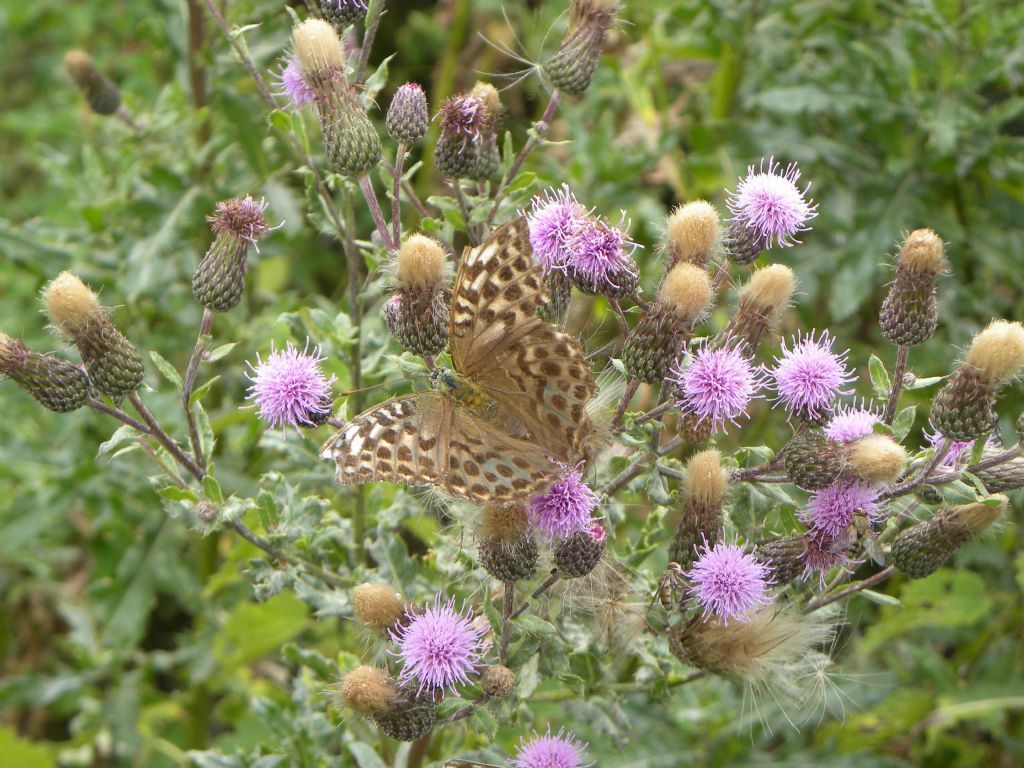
{"x": 100, "y": 92}
{"x": 925, "y": 547}
{"x": 1008, "y": 476}
{"x": 784, "y": 557}
{"x": 513, "y": 560}
{"x": 701, "y": 520}
{"x": 572, "y": 67}
{"x": 579, "y": 553}
{"x": 219, "y": 279}
{"x": 467, "y": 147}
{"x": 55, "y": 383}
{"x": 559, "y": 287}
{"x": 963, "y": 409}
{"x": 813, "y": 461}
{"x": 343, "y": 13}
{"x": 351, "y": 142}
{"x": 910, "y": 312}
{"x": 113, "y": 363}
{"x": 407, "y": 718}
{"x": 407, "y": 118}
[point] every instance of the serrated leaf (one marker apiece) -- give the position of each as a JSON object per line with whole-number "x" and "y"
{"x": 880, "y": 380}
{"x": 483, "y": 723}
{"x": 377, "y": 80}
{"x": 166, "y": 369}
{"x": 533, "y": 625}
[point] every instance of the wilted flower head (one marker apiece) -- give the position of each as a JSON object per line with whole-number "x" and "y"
{"x": 851, "y": 422}
{"x": 564, "y": 508}
{"x": 554, "y": 217}
{"x": 728, "y": 582}
{"x": 289, "y": 387}
{"x": 561, "y": 750}
{"x": 465, "y": 116}
{"x": 809, "y": 375}
{"x": 601, "y": 257}
{"x": 241, "y": 217}
{"x": 716, "y": 385}
{"x": 830, "y": 511}
{"x": 768, "y": 201}
{"x": 292, "y": 83}
{"x": 818, "y": 556}
{"x": 438, "y": 647}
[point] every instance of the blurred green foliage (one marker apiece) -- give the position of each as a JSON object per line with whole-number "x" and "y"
{"x": 126, "y": 639}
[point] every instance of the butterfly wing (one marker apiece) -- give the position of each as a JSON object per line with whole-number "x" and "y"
{"x": 425, "y": 438}
{"x": 533, "y": 371}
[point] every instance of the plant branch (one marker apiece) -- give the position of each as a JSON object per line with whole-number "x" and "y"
{"x": 261, "y": 84}
{"x": 372, "y": 24}
{"x": 370, "y": 195}
{"x": 506, "y": 619}
{"x": 897, "y": 384}
{"x": 638, "y": 466}
{"x": 631, "y": 387}
{"x": 205, "y": 326}
{"x": 544, "y": 587}
{"x": 396, "y": 196}
{"x": 871, "y": 581}
{"x": 164, "y": 439}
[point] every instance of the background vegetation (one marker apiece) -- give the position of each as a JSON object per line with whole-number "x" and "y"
{"x": 126, "y": 639}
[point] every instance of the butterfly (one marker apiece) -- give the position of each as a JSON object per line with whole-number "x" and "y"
{"x": 496, "y": 428}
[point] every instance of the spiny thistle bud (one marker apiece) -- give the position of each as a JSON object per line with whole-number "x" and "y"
{"x": 417, "y": 315}
{"x": 113, "y": 363}
{"x": 925, "y": 547}
{"x": 559, "y": 286}
{"x": 875, "y": 458}
{"x": 408, "y": 717}
{"x": 497, "y": 681}
{"x": 579, "y": 553}
{"x": 350, "y": 140}
{"x": 572, "y": 67}
{"x": 963, "y": 408}
{"x": 660, "y": 337}
{"x": 467, "y": 147}
{"x": 692, "y": 234}
{"x": 100, "y": 92}
{"x": 700, "y": 523}
{"x": 368, "y": 690}
{"x": 761, "y": 302}
{"x": 55, "y": 383}
{"x": 407, "y": 117}
{"x": 219, "y": 279}
{"x": 1008, "y": 476}
{"x": 377, "y": 606}
{"x": 910, "y": 312}
{"x": 784, "y": 557}
{"x": 507, "y": 550}
{"x": 813, "y": 461}
{"x": 342, "y": 13}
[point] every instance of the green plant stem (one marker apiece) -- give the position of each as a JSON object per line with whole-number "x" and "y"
{"x": 471, "y": 231}
{"x": 871, "y": 581}
{"x": 506, "y": 619}
{"x": 370, "y": 195}
{"x": 897, "y": 384}
{"x": 924, "y": 475}
{"x": 205, "y": 327}
{"x": 164, "y": 439}
{"x": 396, "y": 196}
{"x": 544, "y": 587}
{"x": 261, "y": 84}
{"x": 637, "y": 467}
{"x": 373, "y": 14}
{"x": 565, "y": 694}
{"x": 631, "y": 387}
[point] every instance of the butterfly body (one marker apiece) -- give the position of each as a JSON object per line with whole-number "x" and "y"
{"x": 497, "y": 425}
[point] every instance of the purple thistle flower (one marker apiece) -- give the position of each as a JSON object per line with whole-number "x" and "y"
{"x": 242, "y": 218}
{"x": 769, "y": 202}
{"x": 716, "y": 385}
{"x": 561, "y": 750}
{"x": 292, "y": 83}
{"x": 553, "y": 220}
{"x": 830, "y": 511}
{"x": 438, "y": 647}
{"x": 809, "y": 375}
{"x": 728, "y": 582}
{"x": 818, "y": 557}
{"x": 289, "y": 387}
{"x": 601, "y": 254}
{"x": 956, "y": 450}
{"x": 465, "y": 116}
{"x": 564, "y": 508}
{"x": 851, "y": 422}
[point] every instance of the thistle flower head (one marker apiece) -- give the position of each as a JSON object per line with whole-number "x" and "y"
{"x": 554, "y": 217}
{"x": 819, "y": 557}
{"x": 560, "y": 750}
{"x": 808, "y": 376}
{"x": 564, "y": 508}
{"x": 851, "y": 422}
{"x": 686, "y": 293}
{"x": 601, "y": 255}
{"x": 692, "y": 233}
{"x": 377, "y": 606}
{"x": 439, "y": 647}
{"x": 489, "y": 96}
{"x": 875, "y": 458}
{"x": 728, "y": 582}
{"x": 241, "y": 218}
{"x": 318, "y": 48}
{"x": 921, "y": 252}
{"x": 830, "y": 511}
{"x": 368, "y": 689}
{"x": 421, "y": 265}
{"x": 289, "y": 387}
{"x": 998, "y": 351}
{"x": 71, "y": 304}
{"x": 291, "y": 83}
{"x": 407, "y": 118}
{"x": 466, "y": 117}
{"x": 769, "y": 202}
{"x": 716, "y": 385}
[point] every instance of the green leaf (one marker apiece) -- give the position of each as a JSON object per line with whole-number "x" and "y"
{"x": 365, "y": 756}
{"x": 880, "y": 599}
{"x": 218, "y": 352}
{"x": 176, "y": 493}
{"x": 281, "y": 120}
{"x": 166, "y": 369}
{"x": 377, "y": 80}
{"x": 200, "y": 392}
{"x": 254, "y": 630}
{"x": 482, "y": 722}
{"x": 122, "y": 436}
{"x": 212, "y": 489}
{"x": 23, "y": 753}
{"x": 903, "y": 422}
{"x": 923, "y": 383}
{"x": 533, "y": 625}
{"x": 880, "y": 380}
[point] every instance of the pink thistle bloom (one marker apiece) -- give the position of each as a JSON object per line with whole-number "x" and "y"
{"x": 851, "y": 422}
{"x": 830, "y": 511}
{"x": 438, "y": 647}
{"x": 818, "y": 557}
{"x": 809, "y": 375}
{"x": 561, "y": 750}
{"x": 957, "y": 449}
{"x": 728, "y": 582}
{"x": 291, "y": 83}
{"x": 564, "y": 508}
{"x": 597, "y": 532}
{"x": 716, "y": 385}
{"x": 553, "y": 220}
{"x": 465, "y": 116}
{"x": 768, "y": 202}
{"x": 242, "y": 218}
{"x": 601, "y": 256}
{"x": 289, "y": 387}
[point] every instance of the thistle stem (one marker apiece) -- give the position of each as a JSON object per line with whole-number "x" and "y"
{"x": 396, "y": 196}
{"x": 372, "y": 23}
{"x": 506, "y": 619}
{"x": 205, "y": 327}
{"x": 631, "y": 387}
{"x": 897, "y": 384}
{"x": 544, "y": 587}
{"x": 370, "y": 195}
{"x": 638, "y": 466}
{"x": 164, "y": 439}
{"x": 853, "y": 589}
